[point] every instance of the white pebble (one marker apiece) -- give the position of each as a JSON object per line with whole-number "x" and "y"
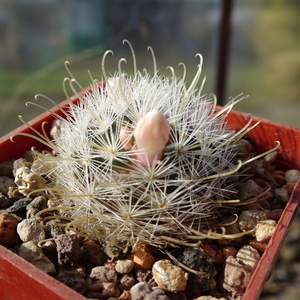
{"x": 169, "y": 277}
{"x": 248, "y": 256}
{"x": 124, "y": 266}
{"x": 31, "y": 230}
{"x": 264, "y": 230}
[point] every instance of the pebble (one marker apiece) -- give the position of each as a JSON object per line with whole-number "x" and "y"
{"x": 209, "y": 298}
{"x": 31, "y": 252}
{"x": 125, "y": 295}
{"x": 52, "y": 230}
{"x": 124, "y": 266}
{"x": 236, "y": 278}
{"x": 169, "y": 277}
{"x": 248, "y": 190}
{"x": 68, "y": 249}
{"x": 274, "y": 214}
{"x": 73, "y": 277}
{"x": 264, "y": 230}
{"x": 248, "y": 219}
{"x": 28, "y": 181}
{"x": 282, "y": 195}
{"x": 31, "y": 230}
{"x": 229, "y": 251}
{"x": 127, "y": 281}
{"x": 19, "y": 206}
{"x": 197, "y": 259}
{"x": 142, "y": 257}
{"x": 248, "y": 256}
{"x": 5, "y": 183}
{"x": 292, "y": 176}
{"x": 143, "y": 291}
{"x": 259, "y": 246}
{"x": 8, "y": 230}
{"x": 6, "y": 168}
{"x": 110, "y": 290}
{"x": 104, "y": 274}
{"x": 4, "y": 201}
{"x": 37, "y": 204}
{"x": 94, "y": 253}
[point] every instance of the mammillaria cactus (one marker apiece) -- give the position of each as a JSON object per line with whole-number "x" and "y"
{"x": 144, "y": 159}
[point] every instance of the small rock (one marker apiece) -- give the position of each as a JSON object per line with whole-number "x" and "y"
{"x": 94, "y": 253}
{"x": 52, "y": 230}
{"x": 73, "y": 278}
{"x": 31, "y": 230}
{"x": 142, "y": 257}
{"x": 6, "y": 168}
{"x": 274, "y": 214}
{"x": 127, "y": 281}
{"x": 125, "y": 295}
{"x": 68, "y": 249}
{"x": 19, "y": 206}
{"x": 282, "y": 195}
{"x": 292, "y": 176}
{"x": 140, "y": 290}
{"x": 5, "y": 183}
{"x": 169, "y": 277}
{"x": 143, "y": 291}
{"x": 270, "y": 158}
{"x": 8, "y": 230}
{"x": 28, "y": 181}
{"x": 110, "y": 290}
{"x": 259, "y": 246}
{"x": 248, "y": 219}
{"x": 236, "y": 278}
{"x": 145, "y": 276}
{"x": 248, "y": 190}
{"x": 209, "y": 298}
{"x": 17, "y": 164}
{"x": 248, "y": 256}
{"x": 124, "y": 266}
{"x": 37, "y": 204}
{"x": 31, "y": 252}
{"x": 4, "y": 201}
{"x": 104, "y": 274}
{"x": 265, "y": 229}
{"x": 196, "y": 259}
{"x": 229, "y": 251}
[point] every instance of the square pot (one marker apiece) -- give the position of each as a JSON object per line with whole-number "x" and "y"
{"x": 21, "y": 280}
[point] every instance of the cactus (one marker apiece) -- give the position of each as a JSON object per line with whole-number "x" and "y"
{"x": 143, "y": 159}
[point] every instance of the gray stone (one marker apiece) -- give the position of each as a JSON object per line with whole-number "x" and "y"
{"x": 31, "y": 230}
{"x": 292, "y": 176}
{"x": 248, "y": 190}
{"x": 5, "y": 183}
{"x": 37, "y": 204}
{"x": 140, "y": 290}
{"x": 282, "y": 195}
{"x": 18, "y": 206}
{"x": 31, "y": 252}
{"x": 248, "y": 219}
{"x": 104, "y": 274}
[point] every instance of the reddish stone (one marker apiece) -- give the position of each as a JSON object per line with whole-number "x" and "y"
{"x": 8, "y": 230}
{"x": 219, "y": 259}
{"x": 229, "y": 251}
{"x": 142, "y": 257}
{"x": 259, "y": 246}
{"x": 209, "y": 250}
{"x": 274, "y": 214}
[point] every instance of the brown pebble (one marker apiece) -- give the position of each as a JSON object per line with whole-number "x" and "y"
{"x": 142, "y": 257}
{"x": 259, "y": 246}
{"x": 110, "y": 290}
{"x": 279, "y": 179}
{"x": 8, "y": 230}
{"x": 126, "y": 295}
{"x": 209, "y": 250}
{"x": 219, "y": 258}
{"x": 274, "y": 214}
{"x": 229, "y": 251}
{"x": 289, "y": 187}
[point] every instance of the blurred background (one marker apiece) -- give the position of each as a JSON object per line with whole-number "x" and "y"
{"x": 263, "y": 60}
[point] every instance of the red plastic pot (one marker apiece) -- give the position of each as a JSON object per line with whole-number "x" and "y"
{"x": 21, "y": 280}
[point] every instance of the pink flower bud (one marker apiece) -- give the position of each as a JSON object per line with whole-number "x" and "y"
{"x": 151, "y": 136}
{"x": 126, "y": 138}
